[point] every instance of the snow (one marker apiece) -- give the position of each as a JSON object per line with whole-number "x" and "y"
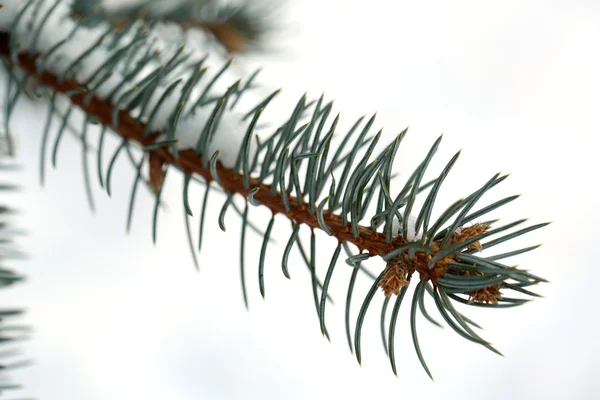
{"x": 411, "y": 234}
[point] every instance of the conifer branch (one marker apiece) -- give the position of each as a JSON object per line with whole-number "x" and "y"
{"x": 160, "y": 103}
{"x": 10, "y": 333}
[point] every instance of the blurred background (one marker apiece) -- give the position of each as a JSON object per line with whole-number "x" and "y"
{"x": 514, "y": 84}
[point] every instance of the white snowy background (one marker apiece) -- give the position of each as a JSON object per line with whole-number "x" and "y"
{"x": 514, "y": 84}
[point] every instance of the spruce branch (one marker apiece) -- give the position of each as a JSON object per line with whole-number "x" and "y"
{"x": 238, "y": 27}
{"x": 10, "y": 333}
{"x": 164, "y": 104}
